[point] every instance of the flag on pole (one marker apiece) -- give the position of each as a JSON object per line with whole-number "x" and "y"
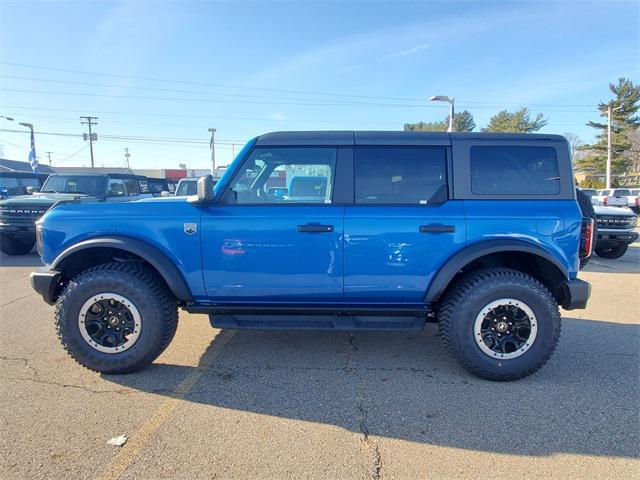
{"x": 33, "y": 160}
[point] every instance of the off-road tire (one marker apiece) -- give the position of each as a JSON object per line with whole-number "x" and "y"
{"x": 612, "y": 251}
{"x": 12, "y": 245}
{"x": 158, "y": 309}
{"x": 586, "y": 207}
{"x": 464, "y": 301}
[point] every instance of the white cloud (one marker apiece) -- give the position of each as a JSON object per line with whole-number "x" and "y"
{"x": 404, "y": 53}
{"x": 277, "y": 116}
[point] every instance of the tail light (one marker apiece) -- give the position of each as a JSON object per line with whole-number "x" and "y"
{"x": 586, "y": 237}
{"x": 605, "y": 200}
{"x": 637, "y": 201}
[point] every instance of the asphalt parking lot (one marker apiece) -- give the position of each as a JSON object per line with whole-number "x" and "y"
{"x": 246, "y": 404}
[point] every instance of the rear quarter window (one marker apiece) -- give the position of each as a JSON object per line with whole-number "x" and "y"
{"x": 514, "y": 170}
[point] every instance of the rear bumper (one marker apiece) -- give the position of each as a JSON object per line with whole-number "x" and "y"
{"x": 46, "y": 283}
{"x": 576, "y": 294}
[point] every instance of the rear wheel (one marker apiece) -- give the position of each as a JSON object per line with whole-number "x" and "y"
{"x": 12, "y": 245}
{"x": 615, "y": 250}
{"x": 116, "y": 317}
{"x": 500, "y": 324}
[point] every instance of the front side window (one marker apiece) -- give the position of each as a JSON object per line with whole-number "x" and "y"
{"x": 29, "y": 182}
{"x": 514, "y": 170}
{"x": 399, "y": 175}
{"x": 285, "y": 175}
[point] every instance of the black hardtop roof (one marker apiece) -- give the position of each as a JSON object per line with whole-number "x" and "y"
{"x": 21, "y": 174}
{"x": 97, "y": 174}
{"x": 389, "y": 137}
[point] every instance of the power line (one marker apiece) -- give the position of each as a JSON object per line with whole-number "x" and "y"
{"x": 216, "y": 100}
{"x": 132, "y": 137}
{"x": 220, "y": 85}
{"x": 262, "y": 89}
{"x": 208, "y": 117}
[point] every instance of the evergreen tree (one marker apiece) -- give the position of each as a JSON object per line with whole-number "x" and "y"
{"x": 462, "y": 122}
{"x": 518, "y": 122}
{"x": 624, "y": 120}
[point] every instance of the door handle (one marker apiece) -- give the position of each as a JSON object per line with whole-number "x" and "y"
{"x": 315, "y": 228}
{"x": 437, "y": 228}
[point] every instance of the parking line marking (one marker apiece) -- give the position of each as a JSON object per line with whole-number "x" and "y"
{"x": 130, "y": 452}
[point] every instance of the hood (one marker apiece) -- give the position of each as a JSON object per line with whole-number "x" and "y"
{"x": 618, "y": 211}
{"x": 39, "y": 199}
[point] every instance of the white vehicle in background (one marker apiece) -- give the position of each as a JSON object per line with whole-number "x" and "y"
{"x": 614, "y": 197}
{"x": 633, "y": 200}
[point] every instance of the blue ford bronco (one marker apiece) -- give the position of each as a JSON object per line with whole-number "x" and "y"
{"x": 479, "y": 232}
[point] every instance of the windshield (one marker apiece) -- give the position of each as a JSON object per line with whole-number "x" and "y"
{"x": 83, "y": 184}
{"x": 589, "y": 191}
{"x": 621, "y": 193}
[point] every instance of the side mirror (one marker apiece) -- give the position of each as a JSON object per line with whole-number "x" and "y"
{"x": 30, "y": 189}
{"x": 204, "y": 189}
{"x": 165, "y": 193}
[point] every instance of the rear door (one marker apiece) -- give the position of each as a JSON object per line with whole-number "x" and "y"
{"x": 401, "y": 226}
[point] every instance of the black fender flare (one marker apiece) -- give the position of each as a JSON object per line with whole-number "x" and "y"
{"x": 467, "y": 255}
{"x": 157, "y": 259}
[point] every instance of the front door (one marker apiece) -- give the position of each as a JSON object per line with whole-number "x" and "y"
{"x": 401, "y": 227}
{"x": 276, "y": 235}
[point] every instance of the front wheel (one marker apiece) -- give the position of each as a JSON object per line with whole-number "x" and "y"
{"x": 615, "y": 250}
{"x": 500, "y": 324}
{"x": 12, "y": 245}
{"x": 116, "y": 318}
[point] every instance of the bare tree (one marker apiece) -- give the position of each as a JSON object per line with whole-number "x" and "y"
{"x": 575, "y": 142}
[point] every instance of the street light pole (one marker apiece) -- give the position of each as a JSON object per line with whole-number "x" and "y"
{"x": 610, "y": 111}
{"x": 212, "y": 145}
{"x": 451, "y": 101}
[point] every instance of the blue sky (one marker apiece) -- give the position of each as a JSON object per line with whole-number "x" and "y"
{"x": 248, "y": 68}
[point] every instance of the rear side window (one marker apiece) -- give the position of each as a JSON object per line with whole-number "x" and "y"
{"x": 511, "y": 170}
{"x": 398, "y": 175}
{"x": 621, "y": 193}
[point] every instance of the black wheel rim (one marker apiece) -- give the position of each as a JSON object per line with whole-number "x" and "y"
{"x": 109, "y": 323}
{"x": 505, "y": 328}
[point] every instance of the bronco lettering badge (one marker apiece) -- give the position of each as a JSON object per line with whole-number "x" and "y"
{"x": 190, "y": 228}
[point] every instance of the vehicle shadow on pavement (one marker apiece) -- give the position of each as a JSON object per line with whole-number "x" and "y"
{"x": 405, "y": 386}
{"x": 628, "y": 263}
{"x": 29, "y": 260}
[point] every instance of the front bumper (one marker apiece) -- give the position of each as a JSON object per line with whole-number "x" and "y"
{"x": 46, "y": 282}
{"x": 576, "y": 294}
{"x": 616, "y": 236}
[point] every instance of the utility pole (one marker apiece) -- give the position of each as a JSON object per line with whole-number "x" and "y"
{"x": 610, "y": 111}
{"x": 212, "y": 145}
{"x": 90, "y": 122}
{"x": 49, "y": 155}
{"x": 127, "y": 156}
